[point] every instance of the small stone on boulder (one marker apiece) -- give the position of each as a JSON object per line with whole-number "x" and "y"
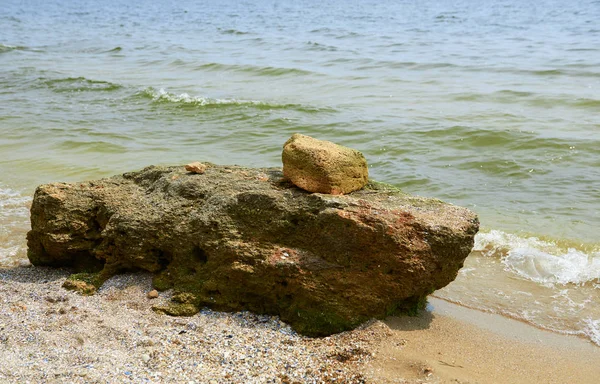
{"x": 322, "y": 166}
{"x": 196, "y": 167}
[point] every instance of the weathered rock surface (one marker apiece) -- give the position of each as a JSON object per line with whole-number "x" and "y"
{"x": 244, "y": 239}
{"x": 322, "y": 166}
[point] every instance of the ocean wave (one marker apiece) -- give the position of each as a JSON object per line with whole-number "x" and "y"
{"x": 11, "y": 18}
{"x": 90, "y": 146}
{"x": 314, "y": 46}
{"x": 448, "y": 18}
{"x": 495, "y": 166}
{"x": 544, "y": 262}
{"x": 583, "y": 102}
{"x": 232, "y": 32}
{"x": 349, "y": 35}
{"x": 517, "y": 97}
{"x": 567, "y": 70}
{"x": 412, "y": 65}
{"x": 79, "y": 84}
{"x": 13, "y": 204}
{"x": 7, "y": 48}
{"x": 321, "y": 30}
{"x": 12, "y": 256}
{"x": 550, "y": 73}
{"x": 184, "y": 99}
{"x": 255, "y": 70}
{"x": 553, "y": 72}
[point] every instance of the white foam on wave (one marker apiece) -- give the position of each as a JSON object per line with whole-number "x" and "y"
{"x": 8, "y": 253}
{"x": 162, "y": 95}
{"x": 13, "y": 204}
{"x": 540, "y": 261}
{"x": 592, "y": 329}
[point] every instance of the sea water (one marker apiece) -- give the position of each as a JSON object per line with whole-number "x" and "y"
{"x": 493, "y": 105}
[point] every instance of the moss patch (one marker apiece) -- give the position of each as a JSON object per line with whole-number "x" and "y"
{"x": 373, "y": 185}
{"x": 177, "y": 309}
{"x": 84, "y": 283}
{"x": 162, "y": 281}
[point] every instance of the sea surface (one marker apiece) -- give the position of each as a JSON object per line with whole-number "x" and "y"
{"x": 493, "y": 105}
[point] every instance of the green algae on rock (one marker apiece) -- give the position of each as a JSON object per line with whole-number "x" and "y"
{"x": 237, "y": 238}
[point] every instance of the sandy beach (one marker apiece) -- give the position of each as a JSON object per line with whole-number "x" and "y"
{"x": 48, "y": 334}
{"x": 453, "y": 344}
{"x": 489, "y": 105}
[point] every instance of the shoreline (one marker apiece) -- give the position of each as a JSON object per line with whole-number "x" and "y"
{"x": 522, "y": 326}
{"x": 454, "y": 344}
{"x": 48, "y": 334}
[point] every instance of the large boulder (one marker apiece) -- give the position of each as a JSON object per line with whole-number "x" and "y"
{"x": 235, "y": 238}
{"x": 322, "y": 166}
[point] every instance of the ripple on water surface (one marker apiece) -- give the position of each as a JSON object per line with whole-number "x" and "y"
{"x": 79, "y": 84}
{"x": 90, "y": 146}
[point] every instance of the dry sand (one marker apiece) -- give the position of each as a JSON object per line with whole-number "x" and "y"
{"x": 51, "y": 335}
{"x": 48, "y": 334}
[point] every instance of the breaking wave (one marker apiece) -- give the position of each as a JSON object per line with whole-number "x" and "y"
{"x": 7, "y": 48}
{"x": 184, "y": 99}
{"x": 552, "y": 284}
{"x": 13, "y": 204}
{"x": 544, "y": 262}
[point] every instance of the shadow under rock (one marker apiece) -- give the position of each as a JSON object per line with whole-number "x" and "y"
{"x": 44, "y": 275}
{"x": 32, "y": 274}
{"x": 411, "y": 323}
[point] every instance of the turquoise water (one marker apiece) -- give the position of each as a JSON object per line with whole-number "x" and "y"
{"x": 493, "y": 105}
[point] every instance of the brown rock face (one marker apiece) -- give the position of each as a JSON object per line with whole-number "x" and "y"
{"x": 322, "y": 166}
{"x": 241, "y": 239}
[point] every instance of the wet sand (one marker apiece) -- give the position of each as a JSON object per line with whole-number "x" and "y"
{"x": 453, "y": 344}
